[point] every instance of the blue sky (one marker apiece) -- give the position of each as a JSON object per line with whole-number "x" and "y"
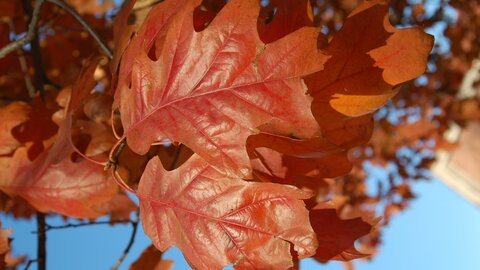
{"x": 440, "y": 230}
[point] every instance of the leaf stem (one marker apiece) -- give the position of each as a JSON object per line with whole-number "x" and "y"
{"x": 87, "y": 158}
{"x": 121, "y": 183}
{"x": 115, "y": 153}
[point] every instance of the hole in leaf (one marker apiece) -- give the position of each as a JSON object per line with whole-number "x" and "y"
{"x": 173, "y": 156}
{"x": 270, "y": 16}
{"x": 152, "y": 52}
{"x": 132, "y": 164}
{"x": 204, "y": 14}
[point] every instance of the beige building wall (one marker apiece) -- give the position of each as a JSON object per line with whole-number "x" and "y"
{"x": 460, "y": 168}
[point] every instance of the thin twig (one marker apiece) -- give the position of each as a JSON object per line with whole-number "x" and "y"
{"x": 83, "y": 224}
{"x": 30, "y": 262}
{"x": 130, "y": 242}
{"x": 41, "y": 242}
{"x": 37, "y": 61}
{"x": 30, "y": 33}
{"x": 85, "y": 25}
{"x": 5, "y": 98}
{"x": 23, "y": 64}
{"x": 161, "y": 143}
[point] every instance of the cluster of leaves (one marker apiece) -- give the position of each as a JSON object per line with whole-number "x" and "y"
{"x": 411, "y": 128}
{"x": 227, "y": 120}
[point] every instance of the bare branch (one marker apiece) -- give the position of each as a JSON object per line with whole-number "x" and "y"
{"x": 85, "y": 25}
{"x": 30, "y": 262}
{"x": 30, "y": 33}
{"x": 41, "y": 242}
{"x": 130, "y": 242}
{"x": 23, "y": 64}
{"x": 10, "y": 99}
{"x": 39, "y": 74}
{"x": 83, "y": 224}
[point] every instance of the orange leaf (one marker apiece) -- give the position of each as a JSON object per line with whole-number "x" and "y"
{"x": 68, "y": 188}
{"x": 290, "y": 15}
{"x": 217, "y": 220}
{"x": 369, "y": 57}
{"x": 336, "y": 237}
{"x": 11, "y": 116}
{"x": 151, "y": 259}
{"x": 211, "y": 89}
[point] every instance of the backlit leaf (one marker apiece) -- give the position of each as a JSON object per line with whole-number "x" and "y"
{"x": 217, "y": 220}
{"x": 211, "y": 89}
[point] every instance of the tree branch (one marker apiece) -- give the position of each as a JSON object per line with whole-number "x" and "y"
{"x": 30, "y": 262}
{"x": 39, "y": 75}
{"x": 83, "y": 224}
{"x": 23, "y": 64}
{"x": 41, "y": 242}
{"x": 30, "y": 32}
{"x": 85, "y": 25}
{"x": 130, "y": 242}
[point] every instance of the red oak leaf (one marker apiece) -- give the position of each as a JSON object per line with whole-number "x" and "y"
{"x": 53, "y": 182}
{"x": 16, "y": 206}
{"x": 119, "y": 207}
{"x": 151, "y": 33}
{"x": 206, "y": 12}
{"x": 336, "y": 237}
{"x": 11, "y": 116}
{"x": 303, "y": 163}
{"x": 212, "y": 89}
{"x": 369, "y": 57}
{"x": 289, "y": 15}
{"x": 68, "y": 188}
{"x": 125, "y": 25}
{"x": 151, "y": 259}
{"x": 216, "y": 220}
{"x": 39, "y": 127}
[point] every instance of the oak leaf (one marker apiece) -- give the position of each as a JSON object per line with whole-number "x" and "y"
{"x": 211, "y": 89}
{"x": 11, "y": 115}
{"x": 7, "y": 260}
{"x": 69, "y": 188}
{"x": 369, "y": 58}
{"x": 151, "y": 259}
{"x": 217, "y": 220}
{"x": 52, "y": 180}
{"x": 303, "y": 163}
{"x": 288, "y": 16}
{"x": 336, "y": 237}
{"x": 132, "y": 31}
